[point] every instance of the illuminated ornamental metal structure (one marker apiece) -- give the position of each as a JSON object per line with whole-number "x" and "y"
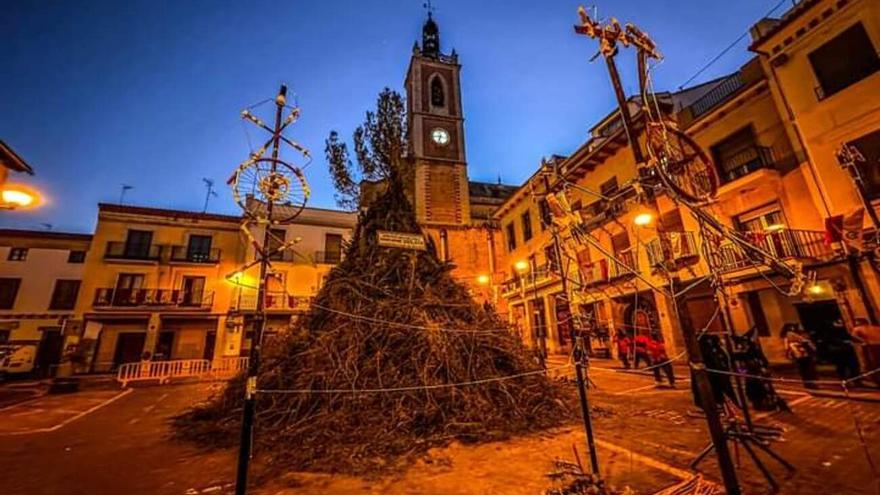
{"x": 671, "y": 163}
{"x": 270, "y": 191}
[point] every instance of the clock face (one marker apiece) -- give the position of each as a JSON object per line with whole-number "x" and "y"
{"x": 440, "y": 136}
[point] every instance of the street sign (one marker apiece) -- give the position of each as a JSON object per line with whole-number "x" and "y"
{"x": 401, "y": 240}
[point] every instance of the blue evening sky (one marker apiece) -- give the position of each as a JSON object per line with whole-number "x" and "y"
{"x": 98, "y": 93}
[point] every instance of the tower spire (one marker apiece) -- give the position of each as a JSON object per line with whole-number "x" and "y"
{"x": 430, "y": 33}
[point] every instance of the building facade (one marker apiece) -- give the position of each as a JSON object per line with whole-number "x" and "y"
{"x": 773, "y": 130}
{"x": 41, "y": 274}
{"x": 168, "y": 284}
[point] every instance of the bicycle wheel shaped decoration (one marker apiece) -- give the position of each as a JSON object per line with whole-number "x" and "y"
{"x": 270, "y": 180}
{"x": 682, "y": 165}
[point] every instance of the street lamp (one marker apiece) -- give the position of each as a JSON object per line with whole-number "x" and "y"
{"x": 643, "y": 218}
{"x": 18, "y": 197}
{"x": 521, "y": 266}
{"x": 483, "y": 279}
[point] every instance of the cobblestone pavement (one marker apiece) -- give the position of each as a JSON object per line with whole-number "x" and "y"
{"x": 124, "y": 447}
{"x": 819, "y": 436}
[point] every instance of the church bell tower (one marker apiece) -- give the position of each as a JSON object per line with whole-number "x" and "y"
{"x": 436, "y": 133}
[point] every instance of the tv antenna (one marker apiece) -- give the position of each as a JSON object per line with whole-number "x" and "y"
{"x": 125, "y": 189}
{"x": 209, "y": 185}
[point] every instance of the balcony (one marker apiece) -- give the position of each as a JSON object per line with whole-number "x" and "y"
{"x": 595, "y": 273}
{"x": 127, "y": 251}
{"x": 745, "y": 162}
{"x": 328, "y": 257}
{"x": 717, "y": 95}
{"x": 782, "y": 243}
{"x": 626, "y": 268}
{"x": 274, "y": 301}
{"x": 183, "y": 254}
{"x": 152, "y": 298}
{"x": 672, "y": 251}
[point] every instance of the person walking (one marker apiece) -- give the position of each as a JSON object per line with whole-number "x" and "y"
{"x": 842, "y": 349}
{"x": 624, "y": 347}
{"x": 660, "y": 360}
{"x": 801, "y": 350}
{"x": 642, "y": 342}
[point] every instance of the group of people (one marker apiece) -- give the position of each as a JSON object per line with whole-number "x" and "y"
{"x": 850, "y": 353}
{"x": 645, "y": 347}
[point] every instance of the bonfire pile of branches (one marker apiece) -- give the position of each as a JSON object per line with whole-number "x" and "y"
{"x": 386, "y": 318}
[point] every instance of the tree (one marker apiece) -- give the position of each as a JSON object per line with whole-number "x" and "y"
{"x": 380, "y": 148}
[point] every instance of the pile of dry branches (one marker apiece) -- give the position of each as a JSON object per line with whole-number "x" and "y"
{"x": 413, "y": 326}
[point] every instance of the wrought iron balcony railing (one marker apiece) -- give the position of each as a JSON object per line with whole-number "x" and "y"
{"x": 185, "y": 254}
{"x": 274, "y": 301}
{"x": 782, "y": 243}
{"x": 132, "y": 251}
{"x": 720, "y": 93}
{"x": 745, "y": 162}
{"x": 627, "y": 267}
{"x": 672, "y": 250}
{"x": 328, "y": 257}
{"x": 167, "y": 298}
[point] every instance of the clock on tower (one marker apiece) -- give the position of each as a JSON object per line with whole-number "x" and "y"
{"x": 436, "y": 132}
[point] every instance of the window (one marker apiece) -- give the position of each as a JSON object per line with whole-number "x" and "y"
{"x": 620, "y": 242}
{"x": 511, "y": 236}
{"x": 276, "y": 240}
{"x": 671, "y": 221}
{"x": 137, "y": 244}
{"x": 544, "y": 212}
{"x": 869, "y": 147}
{"x": 18, "y": 254}
{"x": 332, "y": 248}
{"x": 198, "y": 248}
{"x": 843, "y": 61}
{"x": 438, "y": 99}
{"x": 444, "y": 245}
{"x": 552, "y": 258}
{"x": 76, "y": 257}
{"x": 527, "y": 226}
{"x": 768, "y": 217}
{"x": 192, "y": 291}
{"x": 8, "y": 291}
{"x": 609, "y": 187}
{"x": 64, "y": 295}
{"x": 738, "y": 154}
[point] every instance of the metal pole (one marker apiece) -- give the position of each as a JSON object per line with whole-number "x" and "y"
{"x": 707, "y": 399}
{"x": 701, "y": 376}
{"x": 579, "y": 366}
{"x": 249, "y": 410}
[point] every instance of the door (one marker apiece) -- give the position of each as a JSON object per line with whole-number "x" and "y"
{"x": 49, "y": 353}
{"x": 128, "y": 289}
{"x": 210, "y": 341}
{"x": 137, "y": 244}
{"x": 539, "y": 324}
{"x": 129, "y": 348}
{"x": 164, "y": 346}
{"x": 818, "y": 319}
{"x": 193, "y": 291}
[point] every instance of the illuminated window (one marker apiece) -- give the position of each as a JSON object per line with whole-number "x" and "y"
{"x": 18, "y": 254}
